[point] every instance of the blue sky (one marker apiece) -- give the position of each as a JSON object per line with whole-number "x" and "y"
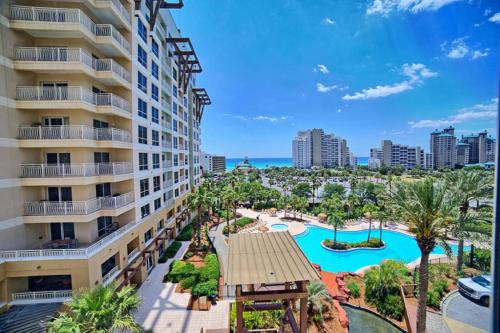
{"x": 365, "y": 70}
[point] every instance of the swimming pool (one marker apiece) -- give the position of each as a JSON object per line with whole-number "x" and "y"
{"x": 399, "y": 247}
{"x": 279, "y": 226}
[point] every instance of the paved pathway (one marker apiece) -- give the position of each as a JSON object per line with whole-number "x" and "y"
{"x": 163, "y": 310}
{"x": 465, "y": 316}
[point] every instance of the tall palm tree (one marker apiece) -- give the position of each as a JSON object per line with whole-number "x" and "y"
{"x": 315, "y": 183}
{"x": 317, "y": 294}
{"x": 102, "y": 310}
{"x": 370, "y": 210}
{"x": 199, "y": 201}
{"x": 421, "y": 205}
{"x": 229, "y": 199}
{"x": 466, "y": 186}
{"x": 336, "y": 220}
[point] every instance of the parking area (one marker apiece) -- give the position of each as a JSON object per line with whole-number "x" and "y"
{"x": 465, "y": 316}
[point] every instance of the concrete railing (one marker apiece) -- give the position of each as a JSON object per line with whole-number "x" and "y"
{"x": 67, "y": 15}
{"x": 121, "y": 9}
{"x": 45, "y": 296}
{"x": 132, "y": 254}
{"x": 71, "y": 93}
{"x": 57, "y": 208}
{"x": 73, "y": 132}
{"x": 110, "y": 275}
{"x": 75, "y": 169}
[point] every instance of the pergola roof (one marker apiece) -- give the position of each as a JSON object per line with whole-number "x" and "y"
{"x": 267, "y": 258}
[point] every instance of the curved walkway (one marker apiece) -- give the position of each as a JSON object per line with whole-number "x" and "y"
{"x": 465, "y": 316}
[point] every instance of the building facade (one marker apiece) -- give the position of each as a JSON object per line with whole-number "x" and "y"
{"x": 392, "y": 154}
{"x": 215, "y": 164}
{"x": 100, "y": 123}
{"x": 302, "y": 150}
{"x": 480, "y": 148}
{"x": 443, "y": 148}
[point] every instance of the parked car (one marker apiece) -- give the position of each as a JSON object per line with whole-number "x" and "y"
{"x": 477, "y": 288}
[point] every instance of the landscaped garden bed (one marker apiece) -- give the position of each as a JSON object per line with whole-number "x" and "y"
{"x": 170, "y": 252}
{"x": 239, "y": 224}
{"x": 373, "y": 243}
{"x": 186, "y": 234}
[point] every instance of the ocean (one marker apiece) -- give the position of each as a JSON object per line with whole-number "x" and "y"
{"x": 265, "y": 162}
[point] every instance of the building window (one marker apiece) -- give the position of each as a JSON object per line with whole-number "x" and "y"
{"x": 144, "y": 186}
{"x": 156, "y": 161}
{"x": 155, "y": 138}
{"x": 145, "y": 211}
{"x": 174, "y": 73}
{"x": 143, "y": 135}
{"x": 142, "y": 108}
{"x": 104, "y": 225}
{"x": 174, "y": 108}
{"x": 154, "y": 92}
{"x": 142, "y": 82}
{"x": 155, "y": 49}
{"x": 174, "y": 126}
{"x": 155, "y": 70}
{"x": 175, "y": 143}
{"x": 174, "y": 91}
{"x": 155, "y": 118}
{"x": 148, "y": 235}
{"x": 142, "y": 56}
{"x": 157, "y": 203}
{"x": 142, "y": 30}
{"x": 143, "y": 161}
{"x": 185, "y": 101}
{"x": 156, "y": 183}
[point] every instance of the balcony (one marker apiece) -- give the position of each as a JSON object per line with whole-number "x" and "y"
{"x": 111, "y": 11}
{"x": 37, "y": 297}
{"x": 110, "y": 276}
{"x": 45, "y": 22}
{"x": 71, "y": 60}
{"x": 166, "y": 125}
{"x": 38, "y": 97}
{"x": 75, "y": 173}
{"x": 77, "y": 211}
{"x": 131, "y": 256}
{"x": 73, "y": 136}
{"x": 167, "y": 164}
{"x": 168, "y": 183}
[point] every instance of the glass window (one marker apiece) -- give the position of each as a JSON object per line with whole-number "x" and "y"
{"x": 144, "y": 187}
{"x": 174, "y": 126}
{"x": 143, "y": 161}
{"x": 155, "y": 138}
{"x": 155, "y": 70}
{"x": 174, "y": 108}
{"x": 143, "y": 135}
{"x": 142, "y": 56}
{"x": 154, "y": 48}
{"x": 104, "y": 225}
{"x": 154, "y": 92}
{"x": 156, "y": 161}
{"x": 142, "y": 108}
{"x": 142, "y": 82}
{"x": 155, "y": 118}
{"x": 157, "y": 203}
{"x": 145, "y": 211}
{"x": 142, "y": 30}
{"x": 174, "y": 74}
{"x": 174, "y": 91}
{"x": 156, "y": 183}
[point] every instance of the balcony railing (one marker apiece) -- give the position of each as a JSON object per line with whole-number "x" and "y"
{"x": 121, "y": 9}
{"x": 132, "y": 254}
{"x": 57, "y": 208}
{"x": 70, "y": 55}
{"x": 67, "y": 15}
{"x": 45, "y": 296}
{"x": 39, "y": 93}
{"x": 73, "y": 132}
{"x": 110, "y": 275}
{"x": 168, "y": 183}
{"x": 167, "y": 164}
{"x": 75, "y": 170}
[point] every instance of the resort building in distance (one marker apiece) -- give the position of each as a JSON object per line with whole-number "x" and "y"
{"x": 215, "y": 164}
{"x": 100, "y": 137}
{"x": 391, "y": 154}
{"x": 314, "y": 148}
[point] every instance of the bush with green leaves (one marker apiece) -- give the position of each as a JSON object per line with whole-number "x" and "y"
{"x": 206, "y": 288}
{"x": 372, "y": 243}
{"x": 482, "y": 259}
{"x": 354, "y": 289}
{"x": 436, "y": 293}
{"x": 255, "y": 320}
{"x": 180, "y": 270}
{"x": 391, "y": 306}
{"x": 186, "y": 234}
{"x": 189, "y": 282}
{"x": 211, "y": 269}
{"x": 170, "y": 252}
{"x": 240, "y": 223}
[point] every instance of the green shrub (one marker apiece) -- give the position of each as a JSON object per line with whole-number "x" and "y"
{"x": 186, "y": 233}
{"x": 440, "y": 286}
{"x": 170, "y": 252}
{"x": 372, "y": 243}
{"x": 482, "y": 259}
{"x": 189, "y": 282}
{"x": 240, "y": 223}
{"x": 188, "y": 255}
{"x": 354, "y": 289}
{"x": 257, "y": 319}
{"x": 181, "y": 270}
{"x": 206, "y": 288}
{"x": 391, "y": 306}
{"x": 211, "y": 269}
{"x": 433, "y": 299}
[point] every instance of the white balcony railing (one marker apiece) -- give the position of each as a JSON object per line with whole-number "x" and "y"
{"x": 67, "y": 16}
{"x": 57, "y": 208}
{"x": 39, "y": 93}
{"x": 73, "y": 132}
{"x": 167, "y": 164}
{"x": 133, "y": 254}
{"x": 44, "y": 296}
{"x": 70, "y": 55}
{"x": 75, "y": 170}
{"x": 121, "y": 9}
{"x": 110, "y": 275}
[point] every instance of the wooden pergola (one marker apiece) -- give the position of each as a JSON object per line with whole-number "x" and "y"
{"x": 270, "y": 272}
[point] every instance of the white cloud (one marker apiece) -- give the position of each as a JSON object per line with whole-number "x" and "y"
{"x": 339, "y": 110}
{"x": 328, "y": 21}
{"x": 479, "y": 54}
{"x": 235, "y": 116}
{"x": 271, "y": 119}
{"x": 487, "y": 12}
{"x": 416, "y": 74}
{"x": 384, "y": 7}
{"x": 475, "y": 112}
{"x": 321, "y": 68}
{"x": 457, "y": 50}
{"x": 495, "y": 18}
{"x": 320, "y": 87}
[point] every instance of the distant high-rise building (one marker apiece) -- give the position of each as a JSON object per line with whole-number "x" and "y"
{"x": 443, "y": 148}
{"x": 392, "y": 154}
{"x": 480, "y": 148}
{"x": 315, "y": 148}
{"x": 215, "y": 164}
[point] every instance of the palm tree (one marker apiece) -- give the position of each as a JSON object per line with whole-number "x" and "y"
{"x": 315, "y": 183}
{"x": 302, "y": 205}
{"x": 317, "y": 294}
{"x": 229, "y": 199}
{"x": 336, "y": 220}
{"x": 102, "y": 310}
{"x": 421, "y": 205}
{"x": 199, "y": 201}
{"x": 384, "y": 279}
{"x": 370, "y": 210}
{"x": 466, "y": 186}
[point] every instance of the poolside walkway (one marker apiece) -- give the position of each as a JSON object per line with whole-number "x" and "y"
{"x": 163, "y": 310}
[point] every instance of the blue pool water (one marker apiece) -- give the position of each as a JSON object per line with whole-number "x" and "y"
{"x": 279, "y": 226}
{"x": 398, "y": 247}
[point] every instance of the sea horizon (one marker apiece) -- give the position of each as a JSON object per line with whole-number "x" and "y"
{"x": 267, "y": 162}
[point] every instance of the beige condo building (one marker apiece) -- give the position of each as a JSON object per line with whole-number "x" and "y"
{"x": 99, "y": 137}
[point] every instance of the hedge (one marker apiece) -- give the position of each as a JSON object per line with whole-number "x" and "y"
{"x": 240, "y": 223}
{"x": 372, "y": 243}
{"x": 170, "y": 252}
{"x": 186, "y": 234}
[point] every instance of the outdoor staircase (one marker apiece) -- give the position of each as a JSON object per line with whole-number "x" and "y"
{"x": 27, "y": 318}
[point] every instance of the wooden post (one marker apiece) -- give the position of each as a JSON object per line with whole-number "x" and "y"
{"x": 303, "y": 309}
{"x": 239, "y": 311}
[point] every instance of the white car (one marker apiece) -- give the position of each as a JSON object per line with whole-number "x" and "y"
{"x": 477, "y": 287}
